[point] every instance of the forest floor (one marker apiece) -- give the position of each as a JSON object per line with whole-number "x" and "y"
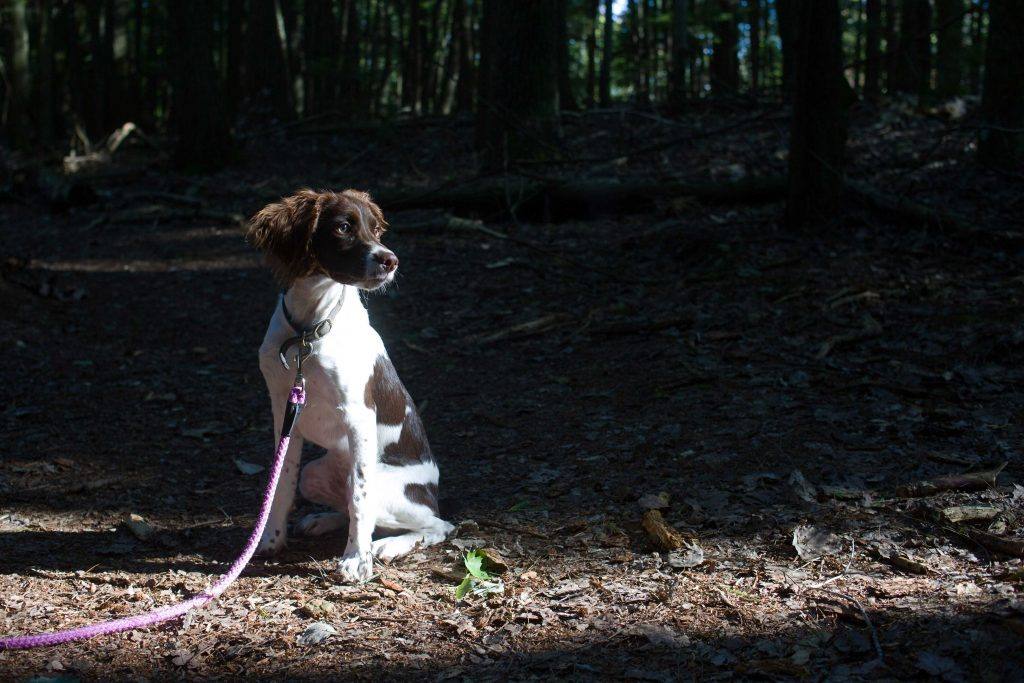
{"x": 768, "y": 383}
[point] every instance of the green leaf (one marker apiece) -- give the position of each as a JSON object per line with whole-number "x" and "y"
{"x": 474, "y": 562}
{"x": 463, "y": 588}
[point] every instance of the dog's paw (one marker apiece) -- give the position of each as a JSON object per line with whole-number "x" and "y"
{"x": 393, "y": 547}
{"x": 355, "y": 567}
{"x": 320, "y": 523}
{"x": 272, "y": 542}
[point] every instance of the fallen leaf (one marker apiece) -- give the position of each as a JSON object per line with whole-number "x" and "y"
{"x": 247, "y": 468}
{"x": 812, "y": 542}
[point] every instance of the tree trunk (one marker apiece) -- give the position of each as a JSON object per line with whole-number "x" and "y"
{"x": 607, "y": 54}
{"x": 321, "y": 52}
{"x": 593, "y": 11}
{"x": 892, "y": 45}
{"x": 913, "y": 60}
{"x": 413, "y": 62}
{"x": 566, "y": 99}
{"x": 198, "y": 115}
{"x": 518, "y": 116}
{"x": 235, "y": 54}
{"x": 1001, "y": 136}
{"x": 949, "y": 22}
{"x": 725, "y": 66}
{"x": 872, "y": 50}
{"x": 818, "y": 130}
{"x": 786, "y": 10}
{"x": 977, "y": 46}
{"x": 18, "y": 78}
{"x": 858, "y": 28}
{"x": 45, "y": 102}
{"x": 465, "y": 90}
{"x": 350, "y": 95}
{"x": 754, "y": 17}
{"x": 268, "y": 85}
{"x": 680, "y": 56}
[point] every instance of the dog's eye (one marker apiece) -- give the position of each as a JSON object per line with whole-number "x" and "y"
{"x": 343, "y": 228}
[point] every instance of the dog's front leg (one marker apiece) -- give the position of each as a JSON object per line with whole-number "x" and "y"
{"x": 357, "y": 562}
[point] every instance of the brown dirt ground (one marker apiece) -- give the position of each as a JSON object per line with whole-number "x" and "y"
{"x": 688, "y": 361}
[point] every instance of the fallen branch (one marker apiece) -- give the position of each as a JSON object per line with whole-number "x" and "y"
{"x": 564, "y": 199}
{"x": 1007, "y": 546}
{"x": 971, "y": 481}
{"x": 969, "y": 513}
{"x": 869, "y": 329}
{"x": 541, "y": 324}
{"x": 1007, "y": 520}
{"x": 914, "y": 212}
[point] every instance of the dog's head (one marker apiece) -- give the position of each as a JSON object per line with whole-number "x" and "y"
{"x": 333, "y": 233}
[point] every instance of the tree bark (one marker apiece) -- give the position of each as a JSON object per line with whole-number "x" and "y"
{"x": 872, "y": 50}
{"x": 607, "y": 54}
{"x": 1001, "y": 136}
{"x": 949, "y": 20}
{"x": 198, "y": 114}
{"x": 518, "y": 116}
{"x": 977, "y": 46}
{"x": 818, "y": 130}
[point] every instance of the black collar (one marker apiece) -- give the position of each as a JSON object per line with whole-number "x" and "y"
{"x": 305, "y": 336}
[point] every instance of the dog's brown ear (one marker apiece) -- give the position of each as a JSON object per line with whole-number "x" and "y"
{"x": 284, "y": 230}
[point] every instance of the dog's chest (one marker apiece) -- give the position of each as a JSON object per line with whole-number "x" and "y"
{"x": 336, "y": 377}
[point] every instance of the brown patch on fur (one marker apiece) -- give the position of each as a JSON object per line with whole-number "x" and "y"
{"x": 384, "y": 392}
{"x": 284, "y": 230}
{"x": 424, "y": 494}
{"x": 412, "y": 447}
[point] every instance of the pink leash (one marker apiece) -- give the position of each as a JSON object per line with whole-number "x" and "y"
{"x": 296, "y": 400}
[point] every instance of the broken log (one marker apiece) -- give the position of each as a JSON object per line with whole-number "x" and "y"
{"x": 969, "y": 513}
{"x": 664, "y": 536}
{"x": 971, "y": 481}
{"x": 554, "y": 199}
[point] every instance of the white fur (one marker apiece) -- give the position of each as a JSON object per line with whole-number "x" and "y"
{"x": 364, "y": 492}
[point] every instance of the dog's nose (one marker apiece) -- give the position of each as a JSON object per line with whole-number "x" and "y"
{"x": 388, "y": 261}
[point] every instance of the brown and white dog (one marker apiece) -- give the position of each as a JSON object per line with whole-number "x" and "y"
{"x": 379, "y": 471}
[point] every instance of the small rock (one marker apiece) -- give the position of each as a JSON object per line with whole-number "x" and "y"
{"x": 653, "y": 501}
{"x": 317, "y": 608}
{"x": 689, "y": 556}
{"x": 316, "y": 633}
{"x": 141, "y": 529}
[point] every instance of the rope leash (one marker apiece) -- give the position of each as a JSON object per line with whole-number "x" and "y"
{"x": 296, "y": 400}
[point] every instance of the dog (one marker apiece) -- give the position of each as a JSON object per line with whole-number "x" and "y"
{"x": 378, "y": 473}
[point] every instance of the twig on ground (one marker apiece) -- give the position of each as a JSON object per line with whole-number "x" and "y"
{"x": 970, "y": 481}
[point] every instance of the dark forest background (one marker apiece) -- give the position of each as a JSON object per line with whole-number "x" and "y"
{"x": 203, "y": 75}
